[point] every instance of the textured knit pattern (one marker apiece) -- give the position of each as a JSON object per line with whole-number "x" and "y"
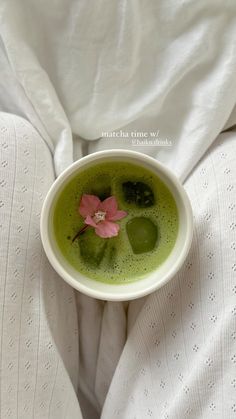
{"x": 38, "y": 320}
{"x": 179, "y": 360}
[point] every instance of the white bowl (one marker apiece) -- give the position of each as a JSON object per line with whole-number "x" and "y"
{"x": 153, "y": 280}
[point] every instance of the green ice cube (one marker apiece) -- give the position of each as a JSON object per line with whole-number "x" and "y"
{"x": 142, "y": 234}
{"x": 101, "y": 187}
{"x": 138, "y": 193}
{"x": 111, "y": 254}
{"x": 92, "y": 247}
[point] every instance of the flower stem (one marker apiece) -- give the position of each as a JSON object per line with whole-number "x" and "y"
{"x": 80, "y": 232}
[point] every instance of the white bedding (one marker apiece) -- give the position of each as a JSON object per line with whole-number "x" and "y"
{"x": 77, "y": 69}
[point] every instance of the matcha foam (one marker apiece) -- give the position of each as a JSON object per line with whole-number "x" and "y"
{"x": 112, "y": 260}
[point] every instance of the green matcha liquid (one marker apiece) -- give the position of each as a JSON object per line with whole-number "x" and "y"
{"x": 113, "y": 260}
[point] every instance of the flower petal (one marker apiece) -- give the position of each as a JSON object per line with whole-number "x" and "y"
{"x": 88, "y": 220}
{"x": 109, "y": 205}
{"x": 118, "y": 215}
{"x": 107, "y": 229}
{"x": 88, "y": 205}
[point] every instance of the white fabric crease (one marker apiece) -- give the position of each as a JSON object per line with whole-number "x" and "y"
{"x": 90, "y": 68}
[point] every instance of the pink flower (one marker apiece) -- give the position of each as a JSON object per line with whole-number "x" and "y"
{"x": 101, "y": 215}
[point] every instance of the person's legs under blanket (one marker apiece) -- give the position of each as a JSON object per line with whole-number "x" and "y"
{"x": 179, "y": 360}
{"x": 38, "y": 318}
{"x": 102, "y": 336}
